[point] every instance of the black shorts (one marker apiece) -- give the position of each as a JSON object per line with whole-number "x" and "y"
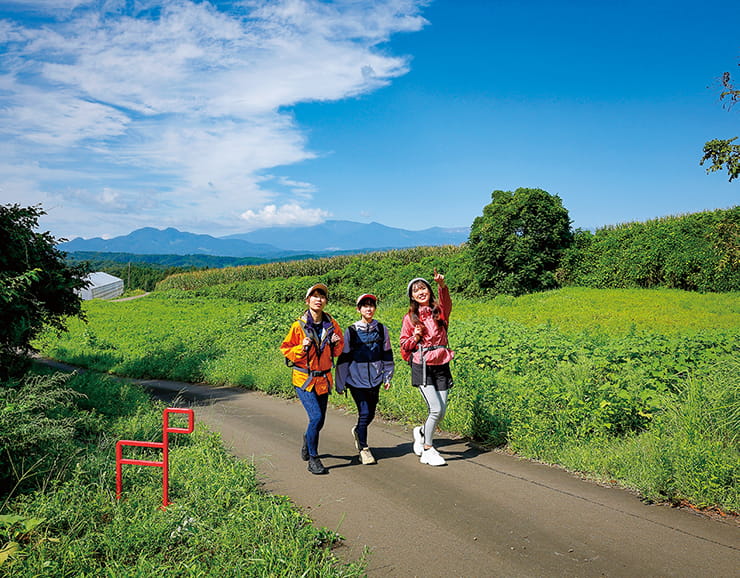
{"x": 437, "y": 375}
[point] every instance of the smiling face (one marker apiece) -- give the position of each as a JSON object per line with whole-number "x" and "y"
{"x": 420, "y": 293}
{"x": 367, "y": 310}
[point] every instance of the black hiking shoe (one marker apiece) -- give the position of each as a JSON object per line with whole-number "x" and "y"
{"x": 304, "y": 450}
{"x": 316, "y": 467}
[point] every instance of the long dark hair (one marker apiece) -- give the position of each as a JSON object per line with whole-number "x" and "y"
{"x": 436, "y": 310}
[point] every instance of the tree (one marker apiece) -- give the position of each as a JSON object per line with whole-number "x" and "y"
{"x": 517, "y": 243}
{"x": 722, "y": 152}
{"x": 37, "y": 286}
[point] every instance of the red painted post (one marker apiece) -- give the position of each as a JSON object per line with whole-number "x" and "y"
{"x": 164, "y": 445}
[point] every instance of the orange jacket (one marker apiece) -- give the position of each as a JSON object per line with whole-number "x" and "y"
{"x": 312, "y": 368}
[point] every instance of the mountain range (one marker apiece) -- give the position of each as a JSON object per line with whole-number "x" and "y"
{"x": 271, "y": 243}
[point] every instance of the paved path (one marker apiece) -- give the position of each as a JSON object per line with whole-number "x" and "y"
{"x": 484, "y": 514}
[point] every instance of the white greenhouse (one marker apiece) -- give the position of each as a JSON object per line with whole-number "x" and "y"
{"x": 101, "y": 286}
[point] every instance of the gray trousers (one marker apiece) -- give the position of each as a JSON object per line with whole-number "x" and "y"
{"x": 437, "y": 404}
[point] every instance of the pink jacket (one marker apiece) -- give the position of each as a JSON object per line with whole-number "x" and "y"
{"x": 433, "y": 335}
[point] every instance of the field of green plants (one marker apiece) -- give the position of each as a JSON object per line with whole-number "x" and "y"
{"x": 636, "y": 386}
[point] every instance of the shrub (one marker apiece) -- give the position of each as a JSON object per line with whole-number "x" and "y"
{"x": 37, "y": 287}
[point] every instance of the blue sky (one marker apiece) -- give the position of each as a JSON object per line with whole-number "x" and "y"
{"x": 224, "y": 117}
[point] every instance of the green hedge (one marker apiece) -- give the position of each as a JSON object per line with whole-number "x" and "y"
{"x": 696, "y": 252}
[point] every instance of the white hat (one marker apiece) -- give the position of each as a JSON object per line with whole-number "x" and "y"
{"x": 416, "y": 280}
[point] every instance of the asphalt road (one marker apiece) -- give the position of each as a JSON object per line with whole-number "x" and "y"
{"x": 484, "y": 514}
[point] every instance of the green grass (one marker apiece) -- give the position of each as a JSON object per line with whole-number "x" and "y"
{"x": 574, "y": 309}
{"x": 69, "y": 523}
{"x": 545, "y": 374}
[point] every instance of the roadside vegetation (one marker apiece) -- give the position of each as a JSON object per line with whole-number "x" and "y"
{"x": 59, "y": 515}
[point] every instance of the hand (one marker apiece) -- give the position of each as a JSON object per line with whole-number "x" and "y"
{"x": 387, "y": 385}
{"x": 439, "y": 278}
{"x": 418, "y": 332}
{"x": 334, "y": 337}
{"x": 306, "y": 343}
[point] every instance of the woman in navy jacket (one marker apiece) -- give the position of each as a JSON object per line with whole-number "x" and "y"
{"x": 366, "y": 362}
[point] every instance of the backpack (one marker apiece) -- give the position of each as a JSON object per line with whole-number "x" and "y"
{"x": 368, "y": 345}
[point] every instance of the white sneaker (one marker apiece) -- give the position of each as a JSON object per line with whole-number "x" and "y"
{"x": 431, "y": 457}
{"x": 418, "y": 441}
{"x": 366, "y": 457}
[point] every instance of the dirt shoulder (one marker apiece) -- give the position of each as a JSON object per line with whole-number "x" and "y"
{"x": 484, "y": 514}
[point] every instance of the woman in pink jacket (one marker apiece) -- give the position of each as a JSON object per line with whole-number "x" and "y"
{"x": 424, "y": 345}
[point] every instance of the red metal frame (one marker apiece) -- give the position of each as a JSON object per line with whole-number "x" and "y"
{"x": 163, "y": 445}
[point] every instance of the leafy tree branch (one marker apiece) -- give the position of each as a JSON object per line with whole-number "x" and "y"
{"x": 723, "y": 154}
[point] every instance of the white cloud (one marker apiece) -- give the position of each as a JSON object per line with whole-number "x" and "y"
{"x": 57, "y": 119}
{"x": 171, "y": 112}
{"x": 283, "y": 216}
{"x": 297, "y": 187}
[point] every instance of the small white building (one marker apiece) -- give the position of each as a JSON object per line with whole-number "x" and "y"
{"x": 101, "y": 286}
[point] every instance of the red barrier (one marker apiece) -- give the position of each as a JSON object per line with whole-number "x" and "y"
{"x": 163, "y": 445}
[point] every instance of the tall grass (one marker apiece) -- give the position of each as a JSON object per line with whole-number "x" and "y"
{"x": 37, "y": 430}
{"x": 220, "y": 523}
{"x": 691, "y": 454}
{"x": 347, "y": 268}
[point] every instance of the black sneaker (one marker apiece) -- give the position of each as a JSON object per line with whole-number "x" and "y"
{"x": 304, "y": 450}
{"x": 316, "y": 467}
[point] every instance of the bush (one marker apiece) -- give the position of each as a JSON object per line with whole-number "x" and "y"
{"x": 697, "y": 252}
{"x": 37, "y": 287}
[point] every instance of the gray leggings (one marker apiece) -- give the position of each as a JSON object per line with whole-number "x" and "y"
{"x": 437, "y": 404}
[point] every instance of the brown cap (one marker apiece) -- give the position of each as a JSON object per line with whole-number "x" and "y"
{"x": 319, "y": 286}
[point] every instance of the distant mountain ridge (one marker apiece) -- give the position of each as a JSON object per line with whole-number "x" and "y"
{"x": 270, "y": 243}
{"x": 348, "y": 235}
{"x": 151, "y": 241}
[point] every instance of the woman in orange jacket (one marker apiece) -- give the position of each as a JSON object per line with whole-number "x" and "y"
{"x": 309, "y": 348}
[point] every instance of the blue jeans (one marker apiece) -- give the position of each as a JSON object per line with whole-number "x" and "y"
{"x": 366, "y": 400}
{"x": 315, "y": 406}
